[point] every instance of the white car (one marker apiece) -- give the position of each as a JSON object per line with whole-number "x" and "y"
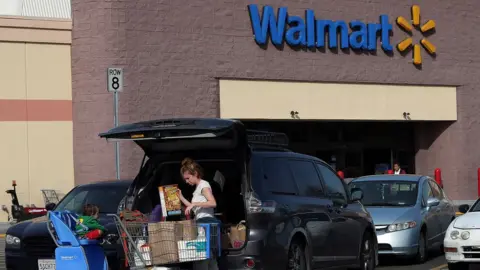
{"x": 462, "y": 239}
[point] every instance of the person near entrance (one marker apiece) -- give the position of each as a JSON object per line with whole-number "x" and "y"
{"x": 397, "y": 169}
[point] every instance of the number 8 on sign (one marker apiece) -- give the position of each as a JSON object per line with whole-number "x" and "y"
{"x": 115, "y": 79}
{"x": 115, "y": 84}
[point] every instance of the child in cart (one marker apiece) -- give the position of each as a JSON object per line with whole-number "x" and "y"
{"x": 88, "y": 226}
{"x": 202, "y": 205}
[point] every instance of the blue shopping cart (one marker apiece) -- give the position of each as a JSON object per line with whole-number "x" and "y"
{"x": 73, "y": 253}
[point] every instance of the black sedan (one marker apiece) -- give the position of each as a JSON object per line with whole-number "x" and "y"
{"x": 30, "y": 246}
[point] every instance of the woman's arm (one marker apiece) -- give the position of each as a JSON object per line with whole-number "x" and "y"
{"x": 184, "y": 201}
{"x": 210, "y": 203}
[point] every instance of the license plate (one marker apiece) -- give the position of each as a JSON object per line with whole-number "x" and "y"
{"x": 46, "y": 264}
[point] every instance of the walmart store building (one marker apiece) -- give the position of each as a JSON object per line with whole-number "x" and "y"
{"x": 397, "y": 82}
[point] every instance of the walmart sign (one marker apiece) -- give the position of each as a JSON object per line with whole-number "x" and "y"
{"x": 311, "y": 32}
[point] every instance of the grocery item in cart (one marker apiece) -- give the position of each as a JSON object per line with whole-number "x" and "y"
{"x": 162, "y": 239}
{"x": 187, "y": 229}
{"x": 144, "y": 249}
{"x": 171, "y": 204}
{"x": 192, "y": 250}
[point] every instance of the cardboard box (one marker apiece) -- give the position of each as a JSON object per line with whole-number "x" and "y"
{"x": 171, "y": 204}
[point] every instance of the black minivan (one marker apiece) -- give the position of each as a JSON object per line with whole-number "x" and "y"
{"x": 299, "y": 214}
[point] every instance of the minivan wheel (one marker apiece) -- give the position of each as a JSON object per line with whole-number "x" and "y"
{"x": 367, "y": 255}
{"x": 422, "y": 253}
{"x": 297, "y": 259}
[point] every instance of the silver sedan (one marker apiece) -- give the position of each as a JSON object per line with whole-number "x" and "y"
{"x": 411, "y": 213}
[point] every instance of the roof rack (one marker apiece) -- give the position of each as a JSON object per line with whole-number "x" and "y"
{"x": 257, "y": 137}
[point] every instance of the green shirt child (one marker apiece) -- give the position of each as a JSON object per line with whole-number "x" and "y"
{"x": 88, "y": 225}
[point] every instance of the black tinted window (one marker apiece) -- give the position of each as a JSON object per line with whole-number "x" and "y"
{"x": 333, "y": 184}
{"x": 278, "y": 177}
{"x": 106, "y": 198}
{"x": 306, "y": 177}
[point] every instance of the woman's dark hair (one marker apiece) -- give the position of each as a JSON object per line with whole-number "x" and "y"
{"x": 90, "y": 210}
{"x": 192, "y": 167}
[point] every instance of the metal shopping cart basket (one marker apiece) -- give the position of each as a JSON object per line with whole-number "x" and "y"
{"x": 166, "y": 243}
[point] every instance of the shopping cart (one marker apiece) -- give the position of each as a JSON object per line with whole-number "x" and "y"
{"x": 72, "y": 252}
{"x": 166, "y": 243}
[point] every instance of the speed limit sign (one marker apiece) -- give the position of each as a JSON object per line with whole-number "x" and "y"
{"x": 115, "y": 79}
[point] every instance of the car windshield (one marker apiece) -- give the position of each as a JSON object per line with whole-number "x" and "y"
{"x": 106, "y": 198}
{"x": 475, "y": 207}
{"x": 387, "y": 193}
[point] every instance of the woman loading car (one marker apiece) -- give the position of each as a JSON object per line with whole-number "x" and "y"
{"x": 203, "y": 203}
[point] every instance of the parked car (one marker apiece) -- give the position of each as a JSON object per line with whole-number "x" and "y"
{"x": 462, "y": 240}
{"x": 411, "y": 213}
{"x": 30, "y": 246}
{"x": 295, "y": 206}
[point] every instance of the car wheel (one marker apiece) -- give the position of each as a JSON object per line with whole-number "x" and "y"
{"x": 367, "y": 253}
{"x": 458, "y": 266}
{"x": 297, "y": 259}
{"x": 422, "y": 253}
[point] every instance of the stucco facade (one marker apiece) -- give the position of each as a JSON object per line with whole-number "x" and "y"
{"x": 174, "y": 54}
{"x": 36, "y": 139}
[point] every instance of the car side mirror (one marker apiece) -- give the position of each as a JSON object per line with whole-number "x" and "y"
{"x": 463, "y": 208}
{"x": 50, "y": 206}
{"x": 432, "y": 202}
{"x": 357, "y": 194}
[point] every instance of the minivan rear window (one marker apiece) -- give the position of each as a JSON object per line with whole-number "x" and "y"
{"x": 307, "y": 179}
{"x": 277, "y": 177}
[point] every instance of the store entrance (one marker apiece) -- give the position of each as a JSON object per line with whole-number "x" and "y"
{"x": 356, "y": 148}
{"x": 376, "y": 160}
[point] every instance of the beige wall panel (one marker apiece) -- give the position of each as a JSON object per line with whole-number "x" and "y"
{"x": 50, "y": 147}
{"x": 244, "y": 99}
{"x": 13, "y": 163}
{"x": 49, "y": 72}
{"x": 12, "y": 71}
{"x": 35, "y": 23}
{"x": 35, "y": 35}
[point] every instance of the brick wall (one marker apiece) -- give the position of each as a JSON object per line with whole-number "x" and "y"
{"x": 174, "y": 51}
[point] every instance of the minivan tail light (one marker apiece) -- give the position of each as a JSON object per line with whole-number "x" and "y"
{"x": 255, "y": 205}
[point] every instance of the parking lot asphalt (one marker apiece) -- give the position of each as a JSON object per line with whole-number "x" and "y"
{"x": 435, "y": 262}
{"x": 2, "y": 252}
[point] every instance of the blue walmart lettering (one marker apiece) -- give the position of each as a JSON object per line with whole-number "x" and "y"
{"x": 311, "y": 32}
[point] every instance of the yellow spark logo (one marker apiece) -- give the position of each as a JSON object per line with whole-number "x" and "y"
{"x": 407, "y": 43}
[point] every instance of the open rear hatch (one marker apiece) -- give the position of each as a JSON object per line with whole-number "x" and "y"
{"x": 181, "y": 134}
{"x": 159, "y": 137}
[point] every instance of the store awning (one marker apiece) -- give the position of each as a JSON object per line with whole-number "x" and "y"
{"x": 246, "y": 99}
